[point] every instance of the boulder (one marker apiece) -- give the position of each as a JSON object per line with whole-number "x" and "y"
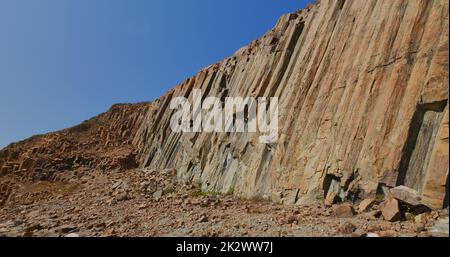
{"x": 344, "y": 210}
{"x": 406, "y": 195}
{"x": 390, "y": 209}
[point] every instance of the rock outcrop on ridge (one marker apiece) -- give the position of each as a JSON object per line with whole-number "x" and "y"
{"x": 363, "y": 93}
{"x": 101, "y": 143}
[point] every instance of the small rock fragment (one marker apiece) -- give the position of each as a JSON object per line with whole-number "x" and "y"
{"x": 149, "y": 187}
{"x": 347, "y": 228}
{"x": 374, "y": 214}
{"x": 65, "y": 229}
{"x": 372, "y": 235}
{"x": 359, "y": 233}
{"x": 366, "y": 205}
{"x": 157, "y": 195}
{"x": 122, "y": 197}
{"x": 440, "y": 229}
{"x": 142, "y": 206}
{"x": 203, "y": 219}
{"x": 292, "y": 219}
{"x": 330, "y": 199}
{"x": 72, "y": 235}
{"x": 388, "y": 233}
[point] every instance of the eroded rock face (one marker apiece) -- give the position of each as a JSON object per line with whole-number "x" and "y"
{"x": 363, "y": 93}
{"x": 358, "y": 83}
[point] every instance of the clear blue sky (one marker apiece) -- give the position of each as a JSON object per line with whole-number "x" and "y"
{"x": 64, "y": 61}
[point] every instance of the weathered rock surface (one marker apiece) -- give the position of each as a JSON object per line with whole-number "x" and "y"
{"x": 343, "y": 210}
{"x": 440, "y": 229}
{"x": 406, "y": 195}
{"x": 390, "y": 209}
{"x": 366, "y": 204}
{"x": 363, "y": 93}
{"x": 363, "y": 98}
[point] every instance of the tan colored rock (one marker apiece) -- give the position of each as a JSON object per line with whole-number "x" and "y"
{"x": 365, "y": 205}
{"x": 347, "y": 228}
{"x": 421, "y": 218}
{"x": 372, "y": 235}
{"x": 406, "y": 195}
{"x": 331, "y": 199}
{"x": 390, "y": 209}
{"x": 344, "y": 210}
{"x": 374, "y": 214}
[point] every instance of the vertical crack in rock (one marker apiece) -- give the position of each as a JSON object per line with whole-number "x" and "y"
{"x": 419, "y": 147}
{"x": 446, "y": 194}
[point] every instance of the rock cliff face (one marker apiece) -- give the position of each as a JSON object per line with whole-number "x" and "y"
{"x": 363, "y": 94}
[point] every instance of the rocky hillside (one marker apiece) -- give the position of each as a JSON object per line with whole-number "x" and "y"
{"x": 363, "y": 92}
{"x": 101, "y": 143}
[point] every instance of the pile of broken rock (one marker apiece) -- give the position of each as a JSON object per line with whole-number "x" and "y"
{"x": 400, "y": 204}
